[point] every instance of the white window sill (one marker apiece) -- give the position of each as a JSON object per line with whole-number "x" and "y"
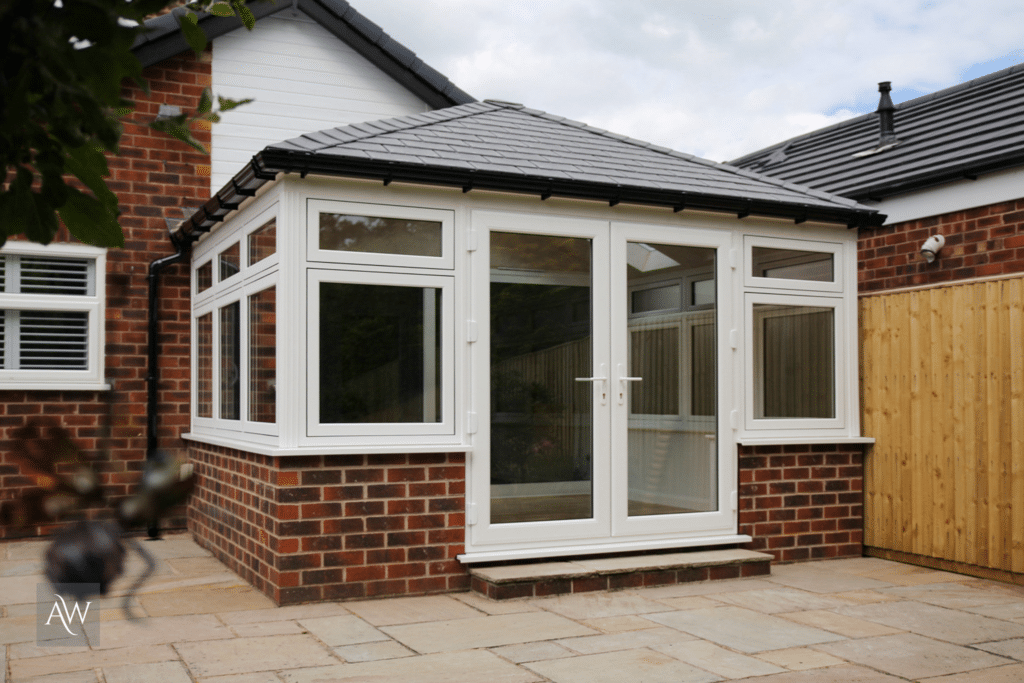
{"x": 799, "y": 440}
{"x": 53, "y": 386}
{"x": 241, "y": 444}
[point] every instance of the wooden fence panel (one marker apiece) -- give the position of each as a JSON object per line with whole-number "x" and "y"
{"x": 942, "y": 387}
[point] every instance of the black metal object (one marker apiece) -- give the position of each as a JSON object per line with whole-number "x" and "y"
{"x": 886, "y": 111}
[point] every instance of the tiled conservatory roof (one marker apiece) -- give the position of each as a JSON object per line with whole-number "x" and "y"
{"x": 502, "y": 146}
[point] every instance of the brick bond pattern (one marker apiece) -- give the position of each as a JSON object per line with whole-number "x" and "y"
{"x": 307, "y": 529}
{"x": 802, "y": 502}
{"x": 982, "y": 242}
{"x": 153, "y": 176}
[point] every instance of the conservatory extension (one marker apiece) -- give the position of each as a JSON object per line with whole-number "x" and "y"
{"x": 487, "y": 334}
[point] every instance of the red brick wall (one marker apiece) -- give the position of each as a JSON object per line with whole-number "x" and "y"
{"x": 802, "y": 502}
{"x": 308, "y": 529}
{"x": 980, "y": 242}
{"x": 153, "y": 176}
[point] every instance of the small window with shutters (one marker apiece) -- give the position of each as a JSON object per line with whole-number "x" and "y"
{"x": 50, "y": 316}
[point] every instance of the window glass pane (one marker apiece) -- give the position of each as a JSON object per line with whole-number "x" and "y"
{"x": 263, "y": 241}
{"x": 263, "y": 355}
{"x": 40, "y": 275}
{"x": 794, "y": 361}
{"x": 380, "y": 353}
{"x": 374, "y": 234}
{"x": 703, "y": 293}
{"x": 702, "y": 354}
{"x": 204, "y": 365}
{"x": 204, "y": 277}
{"x": 229, "y": 262}
{"x": 792, "y": 264}
{"x": 230, "y": 394}
{"x": 665, "y": 298}
{"x": 53, "y": 340}
{"x": 541, "y": 342}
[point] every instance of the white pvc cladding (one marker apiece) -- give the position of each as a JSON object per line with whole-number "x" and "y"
{"x": 775, "y": 282}
{"x": 301, "y": 78}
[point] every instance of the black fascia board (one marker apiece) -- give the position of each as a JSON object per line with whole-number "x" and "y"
{"x": 267, "y": 164}
{"x": 399, "y": 62}
{"x": 165, "y": 39}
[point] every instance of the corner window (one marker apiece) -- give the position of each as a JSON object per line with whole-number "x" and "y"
{"x": 51, "y": 303}
{"x": 793, "y": 264}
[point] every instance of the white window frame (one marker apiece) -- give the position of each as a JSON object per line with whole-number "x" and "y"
{"x": 314, "y": 207}
{"x": 367, "y": 432}
{"x": 805, "y": 426}
{"x": 93, "y": 304}
{"x": 836, "y": 249}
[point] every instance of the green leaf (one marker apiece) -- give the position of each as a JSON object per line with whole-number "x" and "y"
{"x": 205, "y": 101}
{"x": 90, "y": 222}
{"x": 20, "y": 210}
{"x": 193, "y": 34}
{"x": 226, "y": 104}
{"x": 246, "y": 16}
{"x": 178, "y": 127}
{"x": 193, "y": 17}
{"x": 90, "y": 166}
{"x": 221, "y": 9}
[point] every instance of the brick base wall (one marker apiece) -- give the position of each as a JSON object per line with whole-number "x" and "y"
{"x": 308, "y": 529}
{"x": 802, "y": 502}
{"x": 982, "y": 242}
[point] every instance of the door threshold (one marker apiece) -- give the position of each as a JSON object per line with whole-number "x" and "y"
{"x": 537, "y": 579}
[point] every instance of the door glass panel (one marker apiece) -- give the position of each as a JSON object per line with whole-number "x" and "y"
{"x": 673, "y": 462}
{"x": 541, "y": 342}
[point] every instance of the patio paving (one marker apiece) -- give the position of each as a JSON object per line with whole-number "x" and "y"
{"x": 862, "y": 620}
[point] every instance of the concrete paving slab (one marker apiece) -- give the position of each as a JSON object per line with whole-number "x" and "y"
{"x": 74, "y": 677}
{"x": 1003, "y": 674}
{"x": 411, "y": 610}
{"x": 718, "y": 660}
{"x": 343, "y": 629}
{"x": 20, "y": 568}
{"x": 600, "y": 604}
{"x": 488, "y": 606}
{"x": 940, "y": 623}
{"x": 323, "y": 609}
{"x": 851, "y": 627}
{"x": 204, "y": 601}
{"x": 158, "y": 630}
{"x": 681, "y": 590}
{"x": 30, "y": 649}
{"x": 800, "y": 659}
{"x": 611, "y": 642}
{"x": 820, "y": 581}
{"x": 489, "y": 631}
{"x": 261, "y": 677}
{"x": 619, "y": 624}
{"x": 837, "y": 674}
{"x": 372, "y": 652}
{"x": 743, "y": 630}
{"x": 93, "y": 659}
{"x": 19, "y": 629}
{"x": 472, "y": 666}
{"x": 1008, "y": 611}
{"x": 778, "y": 600}
{"x": 912, "y": 656}
{"x": 157, "y": 672}
{"x": 266, "y": 628}
{"x": 1005, "y": 648}
{"x": 695, "y": 602}
{"x": 615, "y": 667}
{"x": 532, "y": 652}
{"x": 19, "y": 590}
{"x": 953, "y": 595}
{"x": 249, "y": 655}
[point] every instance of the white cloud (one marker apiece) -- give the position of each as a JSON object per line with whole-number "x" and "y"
{"x": 717, "y": 78}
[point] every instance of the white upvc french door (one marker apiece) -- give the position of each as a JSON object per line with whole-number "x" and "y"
{"x": 602, "y": 361}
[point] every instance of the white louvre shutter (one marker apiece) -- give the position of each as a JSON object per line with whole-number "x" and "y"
{"x": 68, "y": 277}
{"x": 53, "y": 340}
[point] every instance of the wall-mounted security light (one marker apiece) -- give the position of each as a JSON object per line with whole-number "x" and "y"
{"x": 931, "y": 247}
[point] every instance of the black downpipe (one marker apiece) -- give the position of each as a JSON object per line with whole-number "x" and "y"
{"x": 182, "y": 245}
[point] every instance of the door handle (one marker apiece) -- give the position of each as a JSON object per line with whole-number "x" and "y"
{"x": 602, "y": 380}
{"x": 623, "y": 379}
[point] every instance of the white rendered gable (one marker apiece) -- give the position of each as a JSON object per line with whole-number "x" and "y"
{"x": 302, "y": 78}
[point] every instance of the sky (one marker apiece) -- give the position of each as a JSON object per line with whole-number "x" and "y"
{"x": 715, "y": 78}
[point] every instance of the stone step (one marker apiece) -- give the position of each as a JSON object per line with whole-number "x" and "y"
{"x": 535, "y": 579}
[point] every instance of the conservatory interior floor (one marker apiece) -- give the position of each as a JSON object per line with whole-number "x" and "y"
{"x": 861, "y": 620}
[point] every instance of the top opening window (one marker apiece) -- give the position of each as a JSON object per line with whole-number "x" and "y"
{"x": 378, "y": 234}
{"x": 787, "y": 264}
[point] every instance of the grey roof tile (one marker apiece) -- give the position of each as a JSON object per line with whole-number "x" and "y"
{"x": 515, "y": 141}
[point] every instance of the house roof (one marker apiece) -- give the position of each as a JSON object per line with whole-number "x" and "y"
{"x": 960, "y": 132}
{"x": 163, "y": 39}
{"x": 502, "y": 146}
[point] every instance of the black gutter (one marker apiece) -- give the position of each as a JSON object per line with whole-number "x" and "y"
{"x": 182, "y": 245}
{"x": 265, "y": 166}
